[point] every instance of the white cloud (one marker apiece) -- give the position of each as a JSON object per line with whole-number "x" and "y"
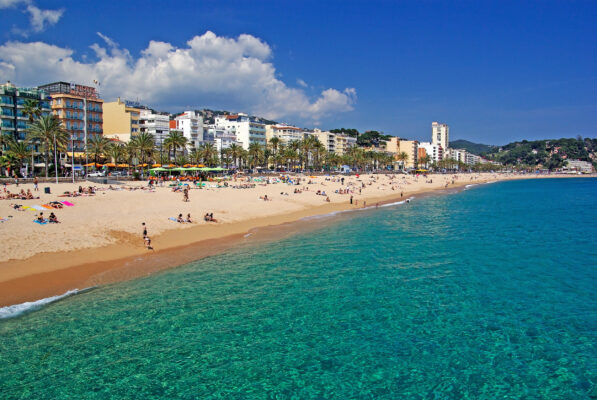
{"x": 211, "y": 71}
{"x": 302, "y": 83}
{"x": 40, "y": 19}
{"x": 12, "y": 3}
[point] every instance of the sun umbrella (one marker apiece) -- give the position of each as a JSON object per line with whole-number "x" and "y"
{"x": 109, "y": 165}
{"x": 156, "y": 165}
{"x": 158, "y": 169}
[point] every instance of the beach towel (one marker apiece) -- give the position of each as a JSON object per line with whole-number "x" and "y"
{"x": 45, "y": 221}
{"x": 26, "y": 208}
{"x": 38, "y": 208}
{"x": 3, "y": 219}
{"x": 47, "y": 206}
{"x": 172, "y": 219}
{"x": 67, "y": 203}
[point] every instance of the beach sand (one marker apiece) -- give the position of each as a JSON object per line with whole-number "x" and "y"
{"x": 99, "y": 239}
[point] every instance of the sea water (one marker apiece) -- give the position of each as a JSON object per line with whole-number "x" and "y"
{"x": 483, "y": 294}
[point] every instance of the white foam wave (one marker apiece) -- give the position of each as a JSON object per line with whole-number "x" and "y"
{"x": 23, "y": 308}
{"x": 470, "y": 186}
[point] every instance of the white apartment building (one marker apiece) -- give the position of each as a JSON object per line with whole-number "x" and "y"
{"x": 472, "y": 159}
{"x": 154, "y": 123}
{"x": 285, "y": 133}
{"x": 221, "y": 137}
{"x": 247, "y": 130}
{"x": 434, "y": 151}
{"x": 190, "y": 124}
{"x": 440, "y": 134}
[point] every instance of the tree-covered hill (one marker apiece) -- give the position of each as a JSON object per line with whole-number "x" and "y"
{"x": 475, "y": 148}
{"x": 549, "y": 154}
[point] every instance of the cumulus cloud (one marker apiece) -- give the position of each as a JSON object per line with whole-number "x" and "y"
{"x": 302, "y": 83}
{"x": 40, "y": 19}
{"x": 213, "y": 71}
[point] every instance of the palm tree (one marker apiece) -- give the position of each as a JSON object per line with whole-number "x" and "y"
{"x": 116, "y": 152}
{"x": 424, "y": 160}
{"x": 144, "y": 144}
{"x": 207, "y": 153}
{"x": 175, "y": 140}
{"x": 98, "y": 146}
{"x": 235, "y": 152}
{"x": 274, "y": 144}
{"x": 256, "y": 154}
{"x": 31, "y": 109}
{"x": 403, "y": 158}
{"x": 17, "y": 151}
{"x": 47, "y": 129}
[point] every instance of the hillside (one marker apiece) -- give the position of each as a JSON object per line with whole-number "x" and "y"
{"x": 545, "y": 153}
{"x": 475, "y": 148}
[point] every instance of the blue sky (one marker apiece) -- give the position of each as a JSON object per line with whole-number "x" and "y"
{"x": 494, "y": 71}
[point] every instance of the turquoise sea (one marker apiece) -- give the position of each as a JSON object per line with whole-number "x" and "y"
{"x": 484, "y": 294}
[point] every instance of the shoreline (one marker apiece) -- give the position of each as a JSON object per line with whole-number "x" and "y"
{"x": 30, "y": 279}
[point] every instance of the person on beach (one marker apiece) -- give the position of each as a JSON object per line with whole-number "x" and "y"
{"x": 17, "y": 181}
{"x": 147, "y": 241}
{"x": 35, "y": 183}
{"x": 185, "y": 194}
{"x": 180, "y": 219}
{"x": 189, "y": 218}
{"x": 40, "y": 217}
{"x": 144, "y": 229}
{"x": 53, "y": 218}
{"x": 350, "y": 199}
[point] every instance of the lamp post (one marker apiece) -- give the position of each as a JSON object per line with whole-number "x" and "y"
{"x": 55, "y": 160}
{"x": 72, "y": 149}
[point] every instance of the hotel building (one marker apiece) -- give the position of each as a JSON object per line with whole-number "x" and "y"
{"x": 246, "y": 129}
{"x": 411, "y": 147}
{"x": 12, "y": 104}
{"x": 79, "y": 108}
{"x": 440, "y": 135}
{"x": 435, "y": 152}
{"x": 190, "y": 123}
{"x": 154, "y": 123}
{"x": 121, "y": 119}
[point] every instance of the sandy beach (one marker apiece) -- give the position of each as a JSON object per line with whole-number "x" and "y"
{"x": 100, "y": 235}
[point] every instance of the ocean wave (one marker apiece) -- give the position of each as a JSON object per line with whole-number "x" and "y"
{"x": 30, "y": 306}
{"x": 470, "y": 186}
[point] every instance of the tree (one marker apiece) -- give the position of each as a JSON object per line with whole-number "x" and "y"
{"x": 256, "y": 154}
{"x": 116, "y": 152}
{"x": 18, "y": 151}
{"x": 208, "y": 153}
{"x": 174, "y": 141}
{"x": 47, "y": 129}
{"x": 424, "y": 160}
{"x": 402, "y": 158}
{"x": 144, "y": 144}
{"x": 31, "y": 109}
{"x": 274, "y": 144}
{"x": 235, "y": 152}
{"x": 98, "y": 146}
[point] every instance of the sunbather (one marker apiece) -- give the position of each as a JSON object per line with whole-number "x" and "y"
{"x": 53, "y": 218}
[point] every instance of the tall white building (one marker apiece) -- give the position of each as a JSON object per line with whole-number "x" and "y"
{"x": 156, "y": 124}
{"x": 246, "y": 129}
{"x": 434, "y": 151}
{"x": 440, "y": 134}
{"x": 190, "y": 124}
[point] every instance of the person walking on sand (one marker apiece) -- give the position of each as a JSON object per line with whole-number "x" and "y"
{"x": 35, "y": 183}
{"x": 185, "y": 194}
{"x": 144, "y": 229}
{"x": 350, "y": 199}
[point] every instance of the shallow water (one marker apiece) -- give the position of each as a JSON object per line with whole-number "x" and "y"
{"x": 488, "y": 293}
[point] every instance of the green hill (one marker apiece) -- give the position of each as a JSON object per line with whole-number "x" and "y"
{"x": 545, "y": 153}
{"x": 475, "y": 148}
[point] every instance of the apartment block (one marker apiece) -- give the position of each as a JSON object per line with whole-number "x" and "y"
{"x": 80, "y": 109}
{"x": 12, "y": 103}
